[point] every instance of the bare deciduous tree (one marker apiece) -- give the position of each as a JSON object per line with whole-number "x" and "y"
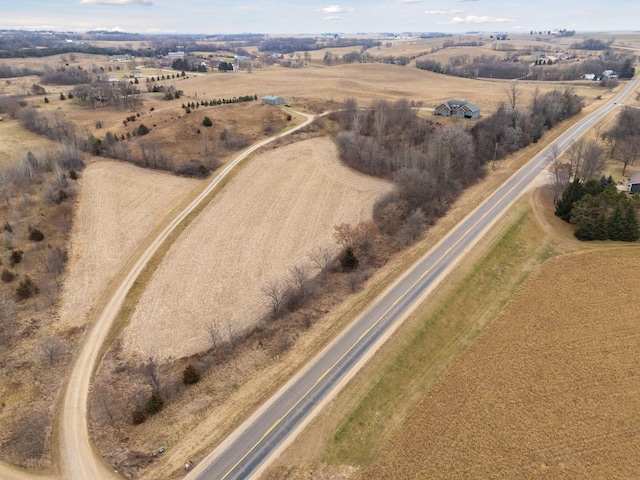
{"x": 627, "y": 152}
{"x": 275, "y": 293}
{"x": 300, "y": 279}
{"x": 512, "y": 93}
{"x": 214, "y": 334}
{"x": 322, "y": 258}
{"x": 50, "y": 349}
{"x": 55, "y": 262}
{"x": 152, "y": 375}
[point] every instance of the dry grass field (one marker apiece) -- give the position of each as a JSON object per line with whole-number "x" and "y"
{"x": 267, "y": 219}
{"x": 16, "y": 142}
{"x": 119, "y": 205}
{"x": 364, "y": 82}
{"x": 546, "y": 391}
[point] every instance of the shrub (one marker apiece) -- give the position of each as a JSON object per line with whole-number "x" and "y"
{"x": 138, "y": 417}
{"x": 154, "y": 404}
{"x": 142, "y": 129}
{"x": 73, "y": 175}
{"x": 190, "y": 375}
{"x": 15, "y": 257}
{"x": 8, "y": 227}
{"x": 27, "y": 288}
{"x": 7, "y": 276}
{"x": 207, "y": 122}
{"x": 349, "y": 261}
{"x": 46, "y": 100}
{"x": 35, "y": 235}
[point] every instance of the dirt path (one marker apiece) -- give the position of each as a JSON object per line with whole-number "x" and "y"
{"x": 77, "y": 457}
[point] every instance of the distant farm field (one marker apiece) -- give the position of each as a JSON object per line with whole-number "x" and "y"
{"x": 550, "y": 389}
{"x": 269, "y": 217}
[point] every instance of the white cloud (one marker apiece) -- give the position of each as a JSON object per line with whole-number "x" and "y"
{"x": 331, "y": 18}
{"x": 335, "y": 9}
{"x": 146, "y": 3}
{"x": 442, "y": 12}
{"x": 518, "y": 27}
{"x": 476, "y": 19}
{"x": 407, "y": 1}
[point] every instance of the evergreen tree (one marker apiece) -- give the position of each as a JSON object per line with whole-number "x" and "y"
{"x": 573, "y": 193}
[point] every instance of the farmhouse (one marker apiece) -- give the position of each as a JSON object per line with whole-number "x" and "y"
{"x": 609, "y": 74}
{"x": 458, "y": 108}
{"x": 272, "y": 100}
{"x": 589, "y": 76}
{"x": 634, "y": 183}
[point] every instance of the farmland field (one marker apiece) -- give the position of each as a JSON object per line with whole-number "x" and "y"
{"x": 266, "y": 220}
{"x": 119, "y": 205}
{"x": 549, "y": 390}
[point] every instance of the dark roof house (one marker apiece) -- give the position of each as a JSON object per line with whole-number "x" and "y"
{"x": 458, "y": 108}
{"x": 634, "y": 183}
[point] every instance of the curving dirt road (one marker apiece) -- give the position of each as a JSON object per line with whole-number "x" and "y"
{"x": 76, "y": 456}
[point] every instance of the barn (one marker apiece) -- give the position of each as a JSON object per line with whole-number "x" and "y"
{"x": 458, "y": 108}
{"x": 634, "y": 183}
{"x": 272, "y": 100}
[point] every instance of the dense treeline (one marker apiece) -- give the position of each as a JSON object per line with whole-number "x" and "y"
{"x": 512, "y": 128}
{"x": 7, "y": 71}
{"x": 66, "y": 76}
{"x": 122, "y": 94}
{"x": 72, "y": 48}
{"x": 592, "y": 44}
{"x": 600, "y": 211}
{"x": 290, "y": 45}
{"x": 430, "y": 165}
{"x": 487, "y": 66}
{"x": 623, "y": 138}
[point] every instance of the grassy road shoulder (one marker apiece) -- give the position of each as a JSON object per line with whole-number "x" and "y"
{"x": 351, "y": 431}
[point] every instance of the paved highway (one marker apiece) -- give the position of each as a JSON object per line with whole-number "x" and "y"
{"x": 276, "y": 423}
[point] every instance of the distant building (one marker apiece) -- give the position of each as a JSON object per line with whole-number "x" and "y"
{"x": 634, "y": 183}
{"x": 121, "y": 58}
{"x": 609, "y": 74}
{"x": 589, "y": 76}
{"x": 272, "y": 100}
{"x": 458, "y": 108}
{"x": 176, "y": 54}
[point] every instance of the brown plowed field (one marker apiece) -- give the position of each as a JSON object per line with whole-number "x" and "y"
{"x": 279, "y": 207}
{"x": 549, "y": 391}
{"x": 118, "y": 207}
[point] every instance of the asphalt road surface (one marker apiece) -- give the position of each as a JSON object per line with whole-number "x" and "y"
{"x": 278, "y": 421}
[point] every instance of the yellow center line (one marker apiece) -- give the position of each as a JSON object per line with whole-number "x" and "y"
{"x": 368, "y": 330}
{"x": 544, "y": 156}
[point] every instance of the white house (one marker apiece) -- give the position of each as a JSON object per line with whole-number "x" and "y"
{"x": 589, "y": 76}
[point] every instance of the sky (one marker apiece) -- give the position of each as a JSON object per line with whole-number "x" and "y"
{"x": 314, "y": 16}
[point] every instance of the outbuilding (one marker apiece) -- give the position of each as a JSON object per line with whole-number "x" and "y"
{"x": 272, "y": 100}
{"x": 634, "y": 183}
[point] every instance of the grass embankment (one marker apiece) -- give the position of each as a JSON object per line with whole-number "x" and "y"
{"x": 366, "y": 412}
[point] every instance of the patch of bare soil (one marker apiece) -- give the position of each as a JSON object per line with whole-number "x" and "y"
{"x": 281, "y": 206}
{"x": 549, "y": 390}
{"x": 118, "y": 206}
